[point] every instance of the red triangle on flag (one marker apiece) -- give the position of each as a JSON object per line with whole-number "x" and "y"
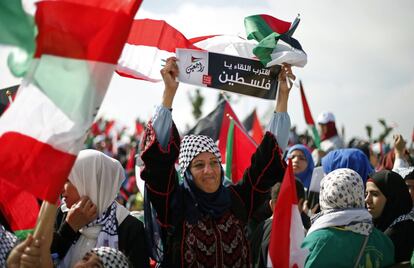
{"x": 242, "y": 149}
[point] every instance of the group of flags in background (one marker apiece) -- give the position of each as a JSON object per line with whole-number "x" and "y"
{"x": 69, "y": 64}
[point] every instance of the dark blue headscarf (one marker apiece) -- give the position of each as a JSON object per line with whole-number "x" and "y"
{"x": 199, "y": 203}
{"x": 354, "y": 159}
{"x": 306, "y": 175}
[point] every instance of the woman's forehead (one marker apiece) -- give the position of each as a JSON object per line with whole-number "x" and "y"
{"x": 297, "y": 152}
{"x": 204, "y": 156}
{"x": 371, "y": 186}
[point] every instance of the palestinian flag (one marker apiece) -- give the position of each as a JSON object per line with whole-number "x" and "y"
{"x": 287, "y": 232}
{"x": 276, "y": 44}
{"x": 152, "y": 41}
{"x": 239, "y": 150}
{"x": 216, "y": 125}
{"x": 308, "y": 117}
{"x": 5, "y": 97}
{"x": 77, "y": 49}
{"x": 253, "y": 126}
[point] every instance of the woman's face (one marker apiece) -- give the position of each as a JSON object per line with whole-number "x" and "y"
{"x": 70, "y": 194}
{"x": 206, "y": 170}
{"x": 299, "y": 161}
{"x": 90, "y": 260}
{"x": 375, "y": 200}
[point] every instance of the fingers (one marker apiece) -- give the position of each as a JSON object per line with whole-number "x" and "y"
{"x": 286, "y": 77}
{"x": 82, "y": 213}
{"x": 31, "y": 254}
{"x": 170, "y": 68}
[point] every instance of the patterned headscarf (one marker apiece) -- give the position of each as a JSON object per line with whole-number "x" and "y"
{"x": 7, "y": 242}
{"x": 341, "y": 189}
{"x": 191, "y": 146}
{"x": 111, "y": 258}
{"x": 342, "y": 203}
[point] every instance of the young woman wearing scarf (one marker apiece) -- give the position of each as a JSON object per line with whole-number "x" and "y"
{"x": 203, "y": 222}
{"x": 342, "y": 234}
{"x": 389, "y": 202}
{"x": 90, "y": 217}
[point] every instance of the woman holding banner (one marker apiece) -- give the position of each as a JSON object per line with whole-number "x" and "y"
{"x": 203, "y": 222}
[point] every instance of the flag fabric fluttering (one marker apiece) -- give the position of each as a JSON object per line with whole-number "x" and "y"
{"x": 216, "y": 125}
{"x": 276, "y": 44}
{"x": 152, "y": 41}
{"x": 254, "y": 127}
{"x": 44, "y": 129}
{"x": 239, "y": 150}
{"x": 17, "y": 28}
{"x": 20, "y": 208}
{"x": 308, "y": 117}
{"x": 287, "y": 232}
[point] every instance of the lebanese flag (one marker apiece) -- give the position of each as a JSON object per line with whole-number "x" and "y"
{"x": 254, "y": 127}
{"x": 151, "y": 42}
{"x": 275, "y": 42}
{"x": 77, "y": 49}
{"x": 287, "y": 232}
{"x": 239, "y": 150}
{"x": 308, "y": 117}
{"x": 216, "y": 125}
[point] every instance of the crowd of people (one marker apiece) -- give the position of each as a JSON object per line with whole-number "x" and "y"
{"x": 356, "y": 204}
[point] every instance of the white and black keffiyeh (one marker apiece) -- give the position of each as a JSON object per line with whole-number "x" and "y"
{"x": 111, "y": 257}
{"x": 191, "y": 146}
{"x": 342, "y": 203}
{"x": 108, "y": 237}
{"x": 7, "y": 242}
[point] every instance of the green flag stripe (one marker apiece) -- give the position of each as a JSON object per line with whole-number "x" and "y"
{"x": 316, "y": 137}
{"x": 229, "y": 149}
{"x": 256, "y": 28}
{"x": 17, "y": 28}
{"x": 76, "y": 86}
{"x": 22, "y": 234}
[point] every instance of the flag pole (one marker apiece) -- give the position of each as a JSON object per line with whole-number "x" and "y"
{"x": 9, "y": 96}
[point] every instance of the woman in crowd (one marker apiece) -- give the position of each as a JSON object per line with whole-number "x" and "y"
{"x": 390, "y": 204}
{"x": 302, "y": 163}
{"x": 203, "y": 221}
{"x": 90, "y": 217}
{"x": 342, "y": 234}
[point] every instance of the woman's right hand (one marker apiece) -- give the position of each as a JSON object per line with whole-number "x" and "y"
{"x": 169, "y": 74}
{"x": 81, "y": 213}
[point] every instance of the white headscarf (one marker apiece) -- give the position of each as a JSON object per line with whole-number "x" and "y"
{"x": 99, "y": 177}
{"x": 342, "y": 203}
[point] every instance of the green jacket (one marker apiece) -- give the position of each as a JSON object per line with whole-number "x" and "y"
{"x": 337, "y": 247}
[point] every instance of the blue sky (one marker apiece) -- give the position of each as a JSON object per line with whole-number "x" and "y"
{"x": 360, "y": 61}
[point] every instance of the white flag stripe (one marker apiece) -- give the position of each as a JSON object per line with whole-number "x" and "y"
{"x": 143, "y": 62}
